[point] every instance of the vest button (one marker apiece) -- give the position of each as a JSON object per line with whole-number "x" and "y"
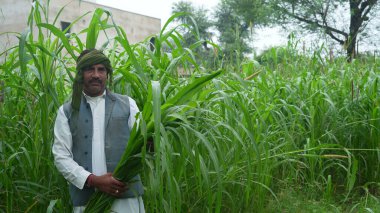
{"x": 85, "y": 136}
{"x": 86, "y": 120}
{"x": 85, "y": 153}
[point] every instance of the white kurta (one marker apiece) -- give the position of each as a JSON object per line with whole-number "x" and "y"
{"x": 77, "y": 175}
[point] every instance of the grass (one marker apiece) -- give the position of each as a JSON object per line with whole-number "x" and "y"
{"x": 300, "y": 133}
{"x": 295, "y": 198}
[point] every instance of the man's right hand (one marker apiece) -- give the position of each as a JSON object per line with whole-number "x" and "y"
{"x": 108, "y": 184}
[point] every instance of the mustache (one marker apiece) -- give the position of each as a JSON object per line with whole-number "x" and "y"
{"x": 95, "y": 80}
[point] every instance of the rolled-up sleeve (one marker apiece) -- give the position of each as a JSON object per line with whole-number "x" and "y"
{"x": 63, "y": 156}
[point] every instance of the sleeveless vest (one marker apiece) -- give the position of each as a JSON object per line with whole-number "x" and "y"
{"x": 117, "y": 133}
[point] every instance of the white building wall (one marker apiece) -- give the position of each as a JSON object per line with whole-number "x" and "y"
{"x": 14, "y": 15}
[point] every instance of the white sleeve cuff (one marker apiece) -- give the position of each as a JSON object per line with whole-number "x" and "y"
{"x": 81, "y": 179}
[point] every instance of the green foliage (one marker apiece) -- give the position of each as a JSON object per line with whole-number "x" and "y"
{"x": 234, "y": 33}
{"x": 250, "y": 67}
{"x": 236, "y": 21}
{"x": 293, "y": 198}
{"x": 196, "y": 24}
{"x": 252, "y": 12}
{"x": 33, "y": 75}
{"x": 233, "y": 20}
{"x": 195, "y": 30}
{"x": 274, "y": 56}
{"x": 301, "y": 133}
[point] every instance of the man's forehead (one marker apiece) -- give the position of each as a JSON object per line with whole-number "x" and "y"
{"x": 98, "y": 65}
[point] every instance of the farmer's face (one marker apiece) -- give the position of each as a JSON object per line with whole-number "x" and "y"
{"x": 94, "y": 80}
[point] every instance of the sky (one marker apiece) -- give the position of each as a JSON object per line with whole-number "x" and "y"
{"x": 264, "y": 38}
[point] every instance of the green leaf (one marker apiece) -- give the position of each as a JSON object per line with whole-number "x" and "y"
{"x": 188, "y": 91}
{"x": 57, "y": 32}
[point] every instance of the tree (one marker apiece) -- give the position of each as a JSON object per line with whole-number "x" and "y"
{"x": 195, "y": 22}
{"x": 233, "y": 32}
{"x": 195, "y": 27}
{"x": 234, "y": 21}
{"x": 253, "y": 12}
{"x": 322, "y": 15}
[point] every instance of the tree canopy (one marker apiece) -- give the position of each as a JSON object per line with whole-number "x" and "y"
{"x": 321, "y": 15}
{"x": 196, "y": 25}
{"x": 233, "y": 20}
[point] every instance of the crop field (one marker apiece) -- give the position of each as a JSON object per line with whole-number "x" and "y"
{"x": 287, "y": 133}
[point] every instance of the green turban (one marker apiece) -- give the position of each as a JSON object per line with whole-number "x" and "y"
{"x": 92, "y": 57}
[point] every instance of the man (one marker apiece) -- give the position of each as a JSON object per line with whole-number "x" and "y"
{"x": 90, "y": 135}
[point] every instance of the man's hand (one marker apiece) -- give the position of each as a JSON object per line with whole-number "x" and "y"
{"x": 108, "y": 184}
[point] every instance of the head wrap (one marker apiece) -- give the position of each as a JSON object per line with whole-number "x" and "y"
{"x": 86, "y": 60}
{"x": 91, "y": 58}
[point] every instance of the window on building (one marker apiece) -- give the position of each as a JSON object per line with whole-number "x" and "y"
{"x": 152, "y": 42}
{"x": 65, "y": 25}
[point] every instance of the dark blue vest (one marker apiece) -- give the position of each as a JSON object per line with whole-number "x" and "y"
{"x": 116, "y": 138}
